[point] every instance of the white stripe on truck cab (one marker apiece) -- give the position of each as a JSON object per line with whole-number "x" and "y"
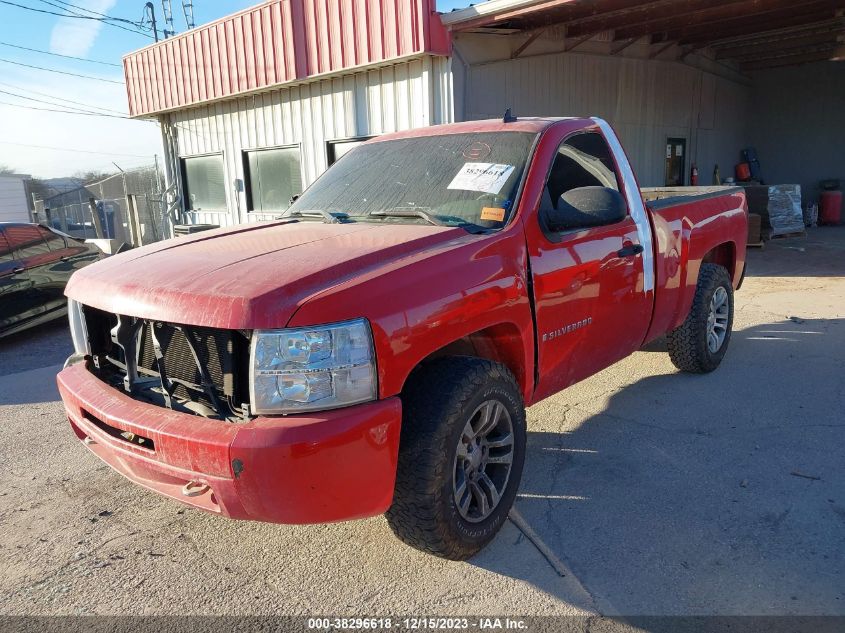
{"x": 635, "y": 202}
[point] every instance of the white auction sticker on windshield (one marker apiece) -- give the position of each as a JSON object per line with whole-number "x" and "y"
{"x": 486, "y": 177}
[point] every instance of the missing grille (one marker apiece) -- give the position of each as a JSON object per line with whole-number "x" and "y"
{"x": 180, "y": 367}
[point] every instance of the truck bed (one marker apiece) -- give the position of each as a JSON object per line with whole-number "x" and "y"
{"x": 664, "y": 197}
{"x": 694, "y": 225}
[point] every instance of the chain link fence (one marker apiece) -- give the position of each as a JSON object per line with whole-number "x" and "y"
{"x": 129, "y": 207}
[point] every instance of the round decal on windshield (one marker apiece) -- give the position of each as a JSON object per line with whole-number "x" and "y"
{"x": 477, "y": 150}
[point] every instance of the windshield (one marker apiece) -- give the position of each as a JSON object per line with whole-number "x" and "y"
{"x": 454, "y": 179}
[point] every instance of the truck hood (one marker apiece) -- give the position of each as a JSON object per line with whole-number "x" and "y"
{"x": 247, "y": 277}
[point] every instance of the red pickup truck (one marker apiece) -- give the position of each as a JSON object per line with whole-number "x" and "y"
{"x": 373, "y": 350}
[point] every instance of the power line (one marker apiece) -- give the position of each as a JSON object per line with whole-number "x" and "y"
{"x": 105, "y": 18}
{"x": 61, "y": 72}
{"x": 77, "y": 16}
{"x": 19, "y": 96}
{"x": 70, "y": 149}
{"x": 82, "y": 59}
{"x": 75, "y": 6}
{"x": 44, "y": 94}
{"x": 27, "y": 107}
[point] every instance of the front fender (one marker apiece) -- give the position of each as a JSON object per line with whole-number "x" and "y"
{"x": 420, "y": 304}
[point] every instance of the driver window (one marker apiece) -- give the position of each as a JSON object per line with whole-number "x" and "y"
{"x": 582, "y": 160}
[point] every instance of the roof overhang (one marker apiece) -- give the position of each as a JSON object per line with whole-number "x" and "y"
{"x": 278, "y": 43}
{"x": 754, "y": 34}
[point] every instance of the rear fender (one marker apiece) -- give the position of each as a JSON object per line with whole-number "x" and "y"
{"x": 710, "y": 230}
{"x": 724, "y": 255}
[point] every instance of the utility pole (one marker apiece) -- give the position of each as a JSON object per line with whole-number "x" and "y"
{"x": 152, "y": 15}
{"x": 167, "y": 12}
{"x": 188, "y": 10}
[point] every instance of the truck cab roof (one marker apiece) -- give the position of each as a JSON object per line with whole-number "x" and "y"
{"x": 521, "y": 124}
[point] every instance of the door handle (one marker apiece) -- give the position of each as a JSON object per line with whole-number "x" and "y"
{"x": 632, "y": 250}
{"x": 18, "y": 270}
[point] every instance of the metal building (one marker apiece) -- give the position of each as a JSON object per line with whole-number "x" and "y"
{"x": 256, "y": 105}
{"x": 14, "y": 201}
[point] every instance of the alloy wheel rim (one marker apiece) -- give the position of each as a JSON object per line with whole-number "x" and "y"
{"x": 483, "y": 461}
{"x": 717, "y": 320}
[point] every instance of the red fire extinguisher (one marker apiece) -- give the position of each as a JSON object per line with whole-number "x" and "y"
{"x": 693, "y": 175}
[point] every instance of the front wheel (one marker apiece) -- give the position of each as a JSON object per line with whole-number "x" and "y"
{"x": 700, "y": 343}
{"x": 461, "y": 454}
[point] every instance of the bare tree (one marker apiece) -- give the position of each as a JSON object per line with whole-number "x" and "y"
{"x": 40, "y": 188}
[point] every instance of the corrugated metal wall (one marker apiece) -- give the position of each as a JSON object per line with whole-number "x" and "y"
{"x": 276, "y": 42}
{"x": 645, "y": 100}
{"x": 14, "y": 207}
{"x": 798, "y": 127}
{"x": 397, "y": 97}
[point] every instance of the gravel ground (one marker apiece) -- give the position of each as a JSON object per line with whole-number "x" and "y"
{"x": 651, "y": 492}
{"x": 43, "y": 346}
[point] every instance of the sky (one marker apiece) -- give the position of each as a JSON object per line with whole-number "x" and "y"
{"x": 48, "y": 144}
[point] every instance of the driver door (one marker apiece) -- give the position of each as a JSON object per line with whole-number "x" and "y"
{"x": 591, "y": 305}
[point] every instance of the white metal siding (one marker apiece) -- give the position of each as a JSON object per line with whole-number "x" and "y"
{"x": 645, "y": 101}
{"x": 13, "y": 203}
{"x": 397, "y": 97}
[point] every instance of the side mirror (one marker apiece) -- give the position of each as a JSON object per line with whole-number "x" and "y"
{"x": 584, "y": 207}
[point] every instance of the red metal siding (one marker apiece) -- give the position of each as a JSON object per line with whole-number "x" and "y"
{"x": 278, "y": 42}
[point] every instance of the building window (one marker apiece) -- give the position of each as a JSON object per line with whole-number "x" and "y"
{"x": 204, "y": 182}
{"x": 335, "y": 150}
{"x": 273, "y": 177}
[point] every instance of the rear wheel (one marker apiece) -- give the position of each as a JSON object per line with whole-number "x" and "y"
{"x": 460, "y": 456}
{"x": 701, "y": 341}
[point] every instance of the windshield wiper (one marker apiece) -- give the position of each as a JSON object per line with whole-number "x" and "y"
{"x": 469, "y": 227}
{"x": 328, "y": 218}
{"x": 410, "y": 213}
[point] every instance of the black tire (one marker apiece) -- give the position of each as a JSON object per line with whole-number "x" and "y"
{"x": 688, "y": 344}
{"x": 438, "y": 402}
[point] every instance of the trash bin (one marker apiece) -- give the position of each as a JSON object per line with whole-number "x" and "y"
{"x": 830, "y": 207}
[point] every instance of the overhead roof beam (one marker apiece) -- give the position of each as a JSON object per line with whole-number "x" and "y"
{"x": 644, "y": 15}
{"x": 528, "y": 15}
{"x": 785, "y": 42}
{"x": 794, "y": 60}
{"x": 755, "y": 10}
{"x": 660, "y": 50}
{"x": 792, "y": 16}
{"x": 790, "y": 52}
{"x": 575, "y": 43}
{"x": 499, "y": 12}
{"x": 533, "y": 36}
{"x": 776, "y": 35}
{"x": 619, "y": 47}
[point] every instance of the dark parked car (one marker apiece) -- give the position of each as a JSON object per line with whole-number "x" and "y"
{"x": 35, "y": 265}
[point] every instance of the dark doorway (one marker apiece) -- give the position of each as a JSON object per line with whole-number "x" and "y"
{"x": 676, "y": 156}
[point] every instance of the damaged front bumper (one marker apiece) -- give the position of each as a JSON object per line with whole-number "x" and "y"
{"x": 314, "y": 468}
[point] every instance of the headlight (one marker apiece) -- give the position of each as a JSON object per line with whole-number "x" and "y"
{"x": 78, "y": 331}
{"x": 314, "y": 368}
